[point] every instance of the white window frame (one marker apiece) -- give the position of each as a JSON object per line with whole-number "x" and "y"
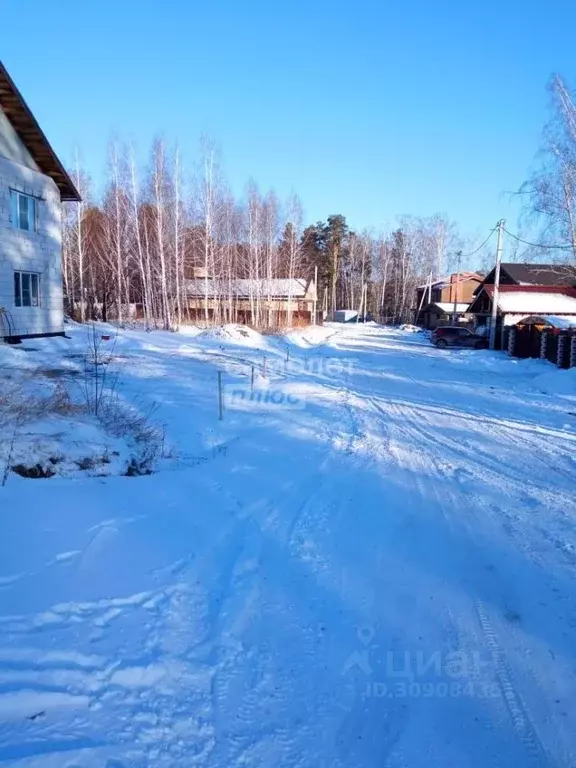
{"x": 15, "y": 210}
{"x": 22, "y": 276}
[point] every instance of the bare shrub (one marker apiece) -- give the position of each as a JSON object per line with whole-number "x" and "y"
{"x": 127, "y": 421}
{"x": 30, "y": 395}
{"x": 98, "y": 379}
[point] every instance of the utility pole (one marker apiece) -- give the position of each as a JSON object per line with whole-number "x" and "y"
{"x": 495, "y": 294}
{"x": 458, "y": 266}
{"x": 362, "y": 304}
{"x": 315, "y": 294}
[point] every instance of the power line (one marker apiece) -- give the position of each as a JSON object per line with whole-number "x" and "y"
{"x": 540, "y": 245}
{"x": 472, "y": 253}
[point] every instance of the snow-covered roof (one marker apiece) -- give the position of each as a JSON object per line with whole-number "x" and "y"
{"x": 246, "y": 288}
{"x": 560, "y": 321}
{"x": 533, "y": 303}
{"x": 556, "y": 321}
{"x": 448, "y": 306}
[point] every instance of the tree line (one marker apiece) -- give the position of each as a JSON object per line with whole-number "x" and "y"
{"x": 154, "y": 228}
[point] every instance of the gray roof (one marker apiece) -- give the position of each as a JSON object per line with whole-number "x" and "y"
{"x": 244, "y": 288}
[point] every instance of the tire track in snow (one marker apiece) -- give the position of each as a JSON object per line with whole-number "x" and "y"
{"x": 311, "y": 512}
{"x": 447, "y": 499}
{"x": 517, "y": 711}
{"x": 245, "y": 543}
{"x": 477, "y": 461}
{"x": 484, "y": 467}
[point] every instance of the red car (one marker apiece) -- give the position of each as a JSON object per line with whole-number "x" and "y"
{"x": 452, "y": 336}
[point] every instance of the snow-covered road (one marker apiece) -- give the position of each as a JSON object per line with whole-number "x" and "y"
{"x": 374, "y": 569}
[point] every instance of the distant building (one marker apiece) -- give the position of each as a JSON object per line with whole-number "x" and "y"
{"x": 346, "y": 315}
{"x": 439, "y": 300}
{"x": 443, "y": 313}
{"x": 239, "y": 300}
{"x": 33, "y": 183}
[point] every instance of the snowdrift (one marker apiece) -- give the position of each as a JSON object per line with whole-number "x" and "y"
{"x": 310, "y": 336}
{"x": 234, "y": 334}
{"x": 557, "y": 382}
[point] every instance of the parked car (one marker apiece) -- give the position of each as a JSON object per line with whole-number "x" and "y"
{"x": 452, "y": 336}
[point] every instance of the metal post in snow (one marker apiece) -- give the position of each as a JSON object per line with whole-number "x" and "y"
{"x": 252, "y": 381}
{"x": 220, "y": 402}
{"x": 264, "y": 367}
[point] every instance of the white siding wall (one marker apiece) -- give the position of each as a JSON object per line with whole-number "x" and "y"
{"x": 39, "y": 251}
{"x": 11, "y": 147}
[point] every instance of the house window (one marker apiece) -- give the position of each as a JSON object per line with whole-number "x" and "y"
{"x": 23, "y": 211}
{"x": 26, "y": 289}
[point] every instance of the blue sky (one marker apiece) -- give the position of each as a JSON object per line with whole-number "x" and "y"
{"x": 370, "y": 109}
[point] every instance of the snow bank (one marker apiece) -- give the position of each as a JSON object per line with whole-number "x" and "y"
{"x": 67, "y": 447}
{"x": 310, "y": 336}
{"x": 190, "y": 330}
{"x": 410, "y": 328}
{"x": 50, "y": 423}
{"x": 557, "y": 382}
{"x": 234, "y": 334}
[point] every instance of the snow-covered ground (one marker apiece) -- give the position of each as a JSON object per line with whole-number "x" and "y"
{"x": 369, "y": 561}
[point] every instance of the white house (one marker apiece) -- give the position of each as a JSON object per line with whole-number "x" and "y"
{"x": 33, "y": 183}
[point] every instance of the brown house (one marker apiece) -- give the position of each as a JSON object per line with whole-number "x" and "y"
{"x": 438, "y": 301}
{"x": 276, "y": 301}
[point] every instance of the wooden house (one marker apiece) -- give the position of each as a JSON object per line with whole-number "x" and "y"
{"x": 254, "y": 302}
{"x": 438, "y": 301}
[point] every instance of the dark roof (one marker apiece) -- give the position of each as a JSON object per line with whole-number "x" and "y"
{"x": 562, "y": 290}
{"x": 540, "y": 274}
{"x": 31, "y": 135}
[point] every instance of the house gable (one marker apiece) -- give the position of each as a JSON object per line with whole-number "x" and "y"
{"x": 23, "y": 123}
{"x": 12, "y": 147}
{"x": 460, "y": 286}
